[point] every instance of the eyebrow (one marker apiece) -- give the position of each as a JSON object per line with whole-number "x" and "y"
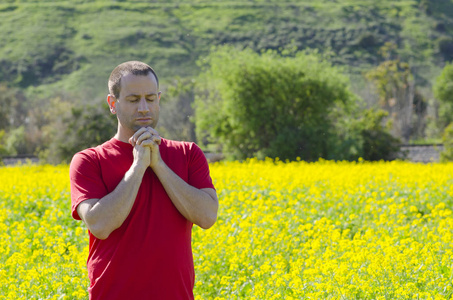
{"x": 137, "y": 95}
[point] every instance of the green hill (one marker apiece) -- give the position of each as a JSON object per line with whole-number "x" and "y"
{"x": 54, "y": 48}
{"x": 74, "y": 45}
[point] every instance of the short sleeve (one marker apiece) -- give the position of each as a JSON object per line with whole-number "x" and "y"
{"x": 85, "y": 179}
{"x": 199, "y": 176}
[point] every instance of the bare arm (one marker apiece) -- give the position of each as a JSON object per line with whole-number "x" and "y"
{"x": 199, "y": 206}
{"x": 103, "y": 216}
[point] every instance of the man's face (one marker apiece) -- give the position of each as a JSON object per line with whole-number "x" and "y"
{"x": 138, "y": 103}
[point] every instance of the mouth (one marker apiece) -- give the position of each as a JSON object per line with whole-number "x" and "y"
{"x": 141, "y": 120}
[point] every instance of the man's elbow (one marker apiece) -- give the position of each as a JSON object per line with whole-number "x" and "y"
{"x": 210, "y": 214}
{"x": 95, "y": 224}
{"x": 100, "y": 234}
{"x": 208, "y": 221}
{"x": 98, "y": 229}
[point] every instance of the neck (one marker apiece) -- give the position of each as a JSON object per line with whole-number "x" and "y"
{"x": 123, "y": 135}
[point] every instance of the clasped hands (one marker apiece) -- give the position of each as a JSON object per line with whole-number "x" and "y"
{"x": 146, "y": 143}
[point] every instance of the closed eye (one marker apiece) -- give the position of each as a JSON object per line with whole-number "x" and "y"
{"x": 132, "y": 99}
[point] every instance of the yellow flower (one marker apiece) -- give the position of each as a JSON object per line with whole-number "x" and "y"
{"x": 285, "y": 230}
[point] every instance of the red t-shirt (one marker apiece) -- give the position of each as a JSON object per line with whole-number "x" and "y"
{"x": 150, "y": 255}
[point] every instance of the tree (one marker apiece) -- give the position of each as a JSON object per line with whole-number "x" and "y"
{"x": 3, "y": 150}
{"x": 445, "y": 45}
{"x": 13, "y": 107}
{"x": 447, "y": 140}
{"x": 378, "y": 143}
{"x": 78, "y": 128}
{"x": 271, "y": 105}
{"x": 443, "y": 92}
{"x": 397, "y": 93}
{"x": 443, "y": 87}
{"x": 176, "y": 112}
{"x": 14, "y": 121}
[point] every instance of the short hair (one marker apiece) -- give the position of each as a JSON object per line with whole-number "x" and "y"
{"x": 137, "y": 68}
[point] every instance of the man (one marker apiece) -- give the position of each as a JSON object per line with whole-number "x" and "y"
{"x": 139, "y": 195}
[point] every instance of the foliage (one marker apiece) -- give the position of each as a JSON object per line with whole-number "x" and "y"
{"x": 445, "y": 45}
{"x": 28, "y": 123}
{"x": 15, "y": 121}
{"x": 443, "y": 91}
{"x": 295, "y": 230}
{"x": 389, "y": 77}
{"x": 85, "y": 127}
{"x": 398, "y": 96}
{"x": 267, "y": 105}
{"x": 3, "y": 150}
{"x": 13, "y": 107}
{"x": 443, "y": 87}
{"x": 58, "y": 47}
{"x": 378, "y": 143}
{"x": 362, "y": 135}
{"x": 75, "y": 45}
{"x": 15, "y": 141}
{"x": 8, "y": 103}
{"x": 176, "y": 112}
{"x": 447, "y": 141}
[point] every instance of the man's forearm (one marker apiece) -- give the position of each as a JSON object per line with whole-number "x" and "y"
{"x": 198, "y": 206}
{"x": 103, "y": 216}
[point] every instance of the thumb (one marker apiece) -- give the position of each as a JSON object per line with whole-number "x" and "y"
{"x": 131, "y": 141}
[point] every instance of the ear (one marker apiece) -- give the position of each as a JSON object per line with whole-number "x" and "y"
{"x": 111, "y": 100}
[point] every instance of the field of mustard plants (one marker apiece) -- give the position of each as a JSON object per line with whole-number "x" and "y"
{"x": 294, "y": 230}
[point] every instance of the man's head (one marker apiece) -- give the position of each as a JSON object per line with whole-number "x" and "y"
{"x": 134, "y": 97}
{"x": 130, "y": 67}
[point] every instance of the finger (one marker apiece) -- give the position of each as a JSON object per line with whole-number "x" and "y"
{"x": 156, "y": 139}
{"x": 133, "y": 138}
{"x": 152, "y": 130}
{"x": 150, "y": 133}
{"x": 149, "y": 143}
{"x": 141, "y": 148}
{"x": 145, "y": 136}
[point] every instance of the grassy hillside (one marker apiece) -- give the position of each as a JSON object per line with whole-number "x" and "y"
{"x": 72, "y": 46}
{"x": 55, "y": 55}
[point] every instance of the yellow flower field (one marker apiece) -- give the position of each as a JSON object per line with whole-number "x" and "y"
{"x": 294, "y": 230}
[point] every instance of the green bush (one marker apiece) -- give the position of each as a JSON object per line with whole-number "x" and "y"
{"x": 268, "y": 105}
{"x": 378, "y": 143}
{"x": 445, "y": 45}
{"x": 443, "y": 91}
{"x": 16, "y": 142}
{"x": 443, "y": 86}
{"x": 176, "y": 111}
{"x": 447, "y": 140}
{"x": 82, "y": 127}
{"x": 3, "y": 150}
{"x": 361, "y": 133}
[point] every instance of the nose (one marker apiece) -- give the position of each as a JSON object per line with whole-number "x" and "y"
{"x": 143, "y": 106}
